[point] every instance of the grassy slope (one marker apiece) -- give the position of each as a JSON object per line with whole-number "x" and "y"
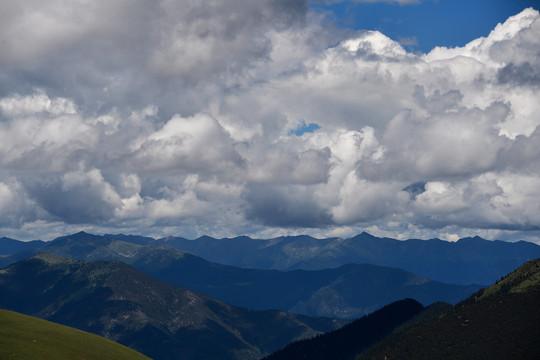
{"x": 23, "y": 336}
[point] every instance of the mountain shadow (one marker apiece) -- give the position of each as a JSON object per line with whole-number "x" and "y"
{"x": 348, "y": 292}
{"x": 353, "y": 338}
{"x": 500, "y": 322}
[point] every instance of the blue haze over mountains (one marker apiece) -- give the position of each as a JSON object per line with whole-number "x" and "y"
{"x": 347, "y": 277}
{"x": 467, "y": 261}
{"x": 347, "y": 291}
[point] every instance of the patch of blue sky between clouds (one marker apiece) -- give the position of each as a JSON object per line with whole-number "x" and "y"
{"x": 303, "y": 128}
{"x": 423, "y": 25}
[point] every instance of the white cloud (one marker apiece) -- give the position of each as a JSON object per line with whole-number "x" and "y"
{"x": 36, "y": 103}
{"x": 177, "y": 116}
{"x": 197, "y": 143}
{"x": 16, "y": 208}
{"x": 448, "y": 144}
{"x": 42, "y": 133}
{"x": 364, "y": 202}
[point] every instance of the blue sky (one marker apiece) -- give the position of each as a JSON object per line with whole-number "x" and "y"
{"x": 432, "y": 23}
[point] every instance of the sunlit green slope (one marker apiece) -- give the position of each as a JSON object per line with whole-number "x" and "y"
{"x": 27, "y": 337}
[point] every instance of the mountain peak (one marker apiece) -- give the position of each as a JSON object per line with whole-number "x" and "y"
{"x": 364, "y": 235}
{"x": 475, "y": 239}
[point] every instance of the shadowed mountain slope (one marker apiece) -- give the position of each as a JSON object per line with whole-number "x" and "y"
{"x": 158, "y": 319}
{"x": 500, "y": 322}
{"x": 353, "y": 338}
{"x": 10, "y": 246}
{"x": 349, "y": 291}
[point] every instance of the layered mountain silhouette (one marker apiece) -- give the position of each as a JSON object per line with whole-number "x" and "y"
{"x": 158, "y": 319}
{"x": 348, "y": 291}
{"x": 467, "y": 261}
{"x": 499, "y": 322}
{"x": 9, "y": 246}
{"x": 164, "y": 321}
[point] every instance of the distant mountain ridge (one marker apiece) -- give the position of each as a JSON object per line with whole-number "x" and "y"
{"x": 10, "y": 246}
{"x": 348, "y": 291}
{"x": 467, "y": 261}
{"x": 158, "y": 319}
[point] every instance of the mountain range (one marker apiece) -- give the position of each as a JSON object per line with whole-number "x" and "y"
{"x": 348, "y": 291}
{"x": 158, "y": 319}
{"x": 467, "y": 261}
{"x": 94, "y": 286}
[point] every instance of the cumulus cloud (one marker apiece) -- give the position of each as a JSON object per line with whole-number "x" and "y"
{"x": 491, "y": 200}
{"x": 185, "y": 118}
{"x": 43, "y": 134}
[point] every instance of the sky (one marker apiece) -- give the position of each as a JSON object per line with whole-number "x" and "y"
{"x": 407, "y": 119}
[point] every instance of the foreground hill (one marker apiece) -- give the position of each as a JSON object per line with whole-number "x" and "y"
{"x": 158, "y": 319}
{"x": 28, "y": 337}
{"x": 500, "y": 322}
{"x": 349, "y": 291}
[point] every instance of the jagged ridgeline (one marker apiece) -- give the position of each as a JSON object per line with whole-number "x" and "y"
{"x": 27, "y": 337}
{"x": 347, "y": 291}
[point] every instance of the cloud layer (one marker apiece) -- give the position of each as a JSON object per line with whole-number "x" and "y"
{"x": 187, "y": 118}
